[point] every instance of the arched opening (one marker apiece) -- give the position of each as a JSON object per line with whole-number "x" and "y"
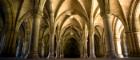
{"x": 23, "y": 39}
{"x": 96, "y": 39}
{"x": 71, "y": 49}
{"x": 97, "y": 46}
{"x": 44, "y": 35}
{"x": 19, "y": 42}
{"x": 118, "y": 41}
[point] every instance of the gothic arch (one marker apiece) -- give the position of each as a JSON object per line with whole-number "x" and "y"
{"x": 118, "y": 28}
{"x": 24, "y": 38}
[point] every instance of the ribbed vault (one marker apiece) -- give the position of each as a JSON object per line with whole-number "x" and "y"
{"x": 52, "y": 29}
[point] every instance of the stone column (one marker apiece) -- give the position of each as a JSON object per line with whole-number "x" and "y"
{"x": 61, "y": 48}
{"x": 28, "y": 44}
{"x": 109, "y": 38}
{"x": 35, "y": 37}
{"x": 84, "y": 49}
{"x": 81, "y": 49}
{"x": 118, "y": 45}
{"x": 133, "y": 43}
{"x": 130, "y": 43}
{"x": 37, "y": 16}
{"x": 58, "y": 50}
{"x": 84, "y": 43}
{"x": 52, "y": 36}
{"x": 92, "y": 47}
{"x": 124, "y": 46}
{"x": 91, "y": 38}
{"x": 137, "y": 42}
{"x": 51, "y": 44}
{"x": 91, "y": 42}
{"x": 104, "y": 10}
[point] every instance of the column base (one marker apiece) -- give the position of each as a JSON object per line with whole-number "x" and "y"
{"x": 60, "y": 56}
{"x": 84, "y": 56}
{"x": 111, "y": 55}
{"x": 120, "y": 56}
{"x": 50, "y": 56}
{"x": 33, "y": 55}
{"x": 92, "y": 56}
{"x": 57, "y": 56}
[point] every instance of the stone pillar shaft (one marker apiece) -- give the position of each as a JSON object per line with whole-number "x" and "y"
{"x": 108, "y": 34}
{"x": 51, "y": 45}
{"x": 130, "y": 44}
{"x": 58, "y": 50}
{"x": 84, "y": 43}
{"x": 35, "y": 36}
{"x": 124, "y": 45}
{"x": 51, "y": 40}
{"x": 91, "y": 36}
{"x": 92, "y": 47}
{"x": 137, "y": 42}
{"x": 133, "y": 43}
{"x": 118, "y": 45}
{"x": 37, "y": 16}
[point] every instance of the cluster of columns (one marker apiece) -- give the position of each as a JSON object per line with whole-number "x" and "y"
{"x": 37, "y": 16}
{"x": 111, "y": 48}
{"x": 133, "y": 38}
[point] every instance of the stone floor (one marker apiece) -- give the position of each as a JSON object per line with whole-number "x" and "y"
{"x": 132, "y": 58}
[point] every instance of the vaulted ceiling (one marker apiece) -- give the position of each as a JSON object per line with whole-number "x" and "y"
{"x": 65, "y": 19}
